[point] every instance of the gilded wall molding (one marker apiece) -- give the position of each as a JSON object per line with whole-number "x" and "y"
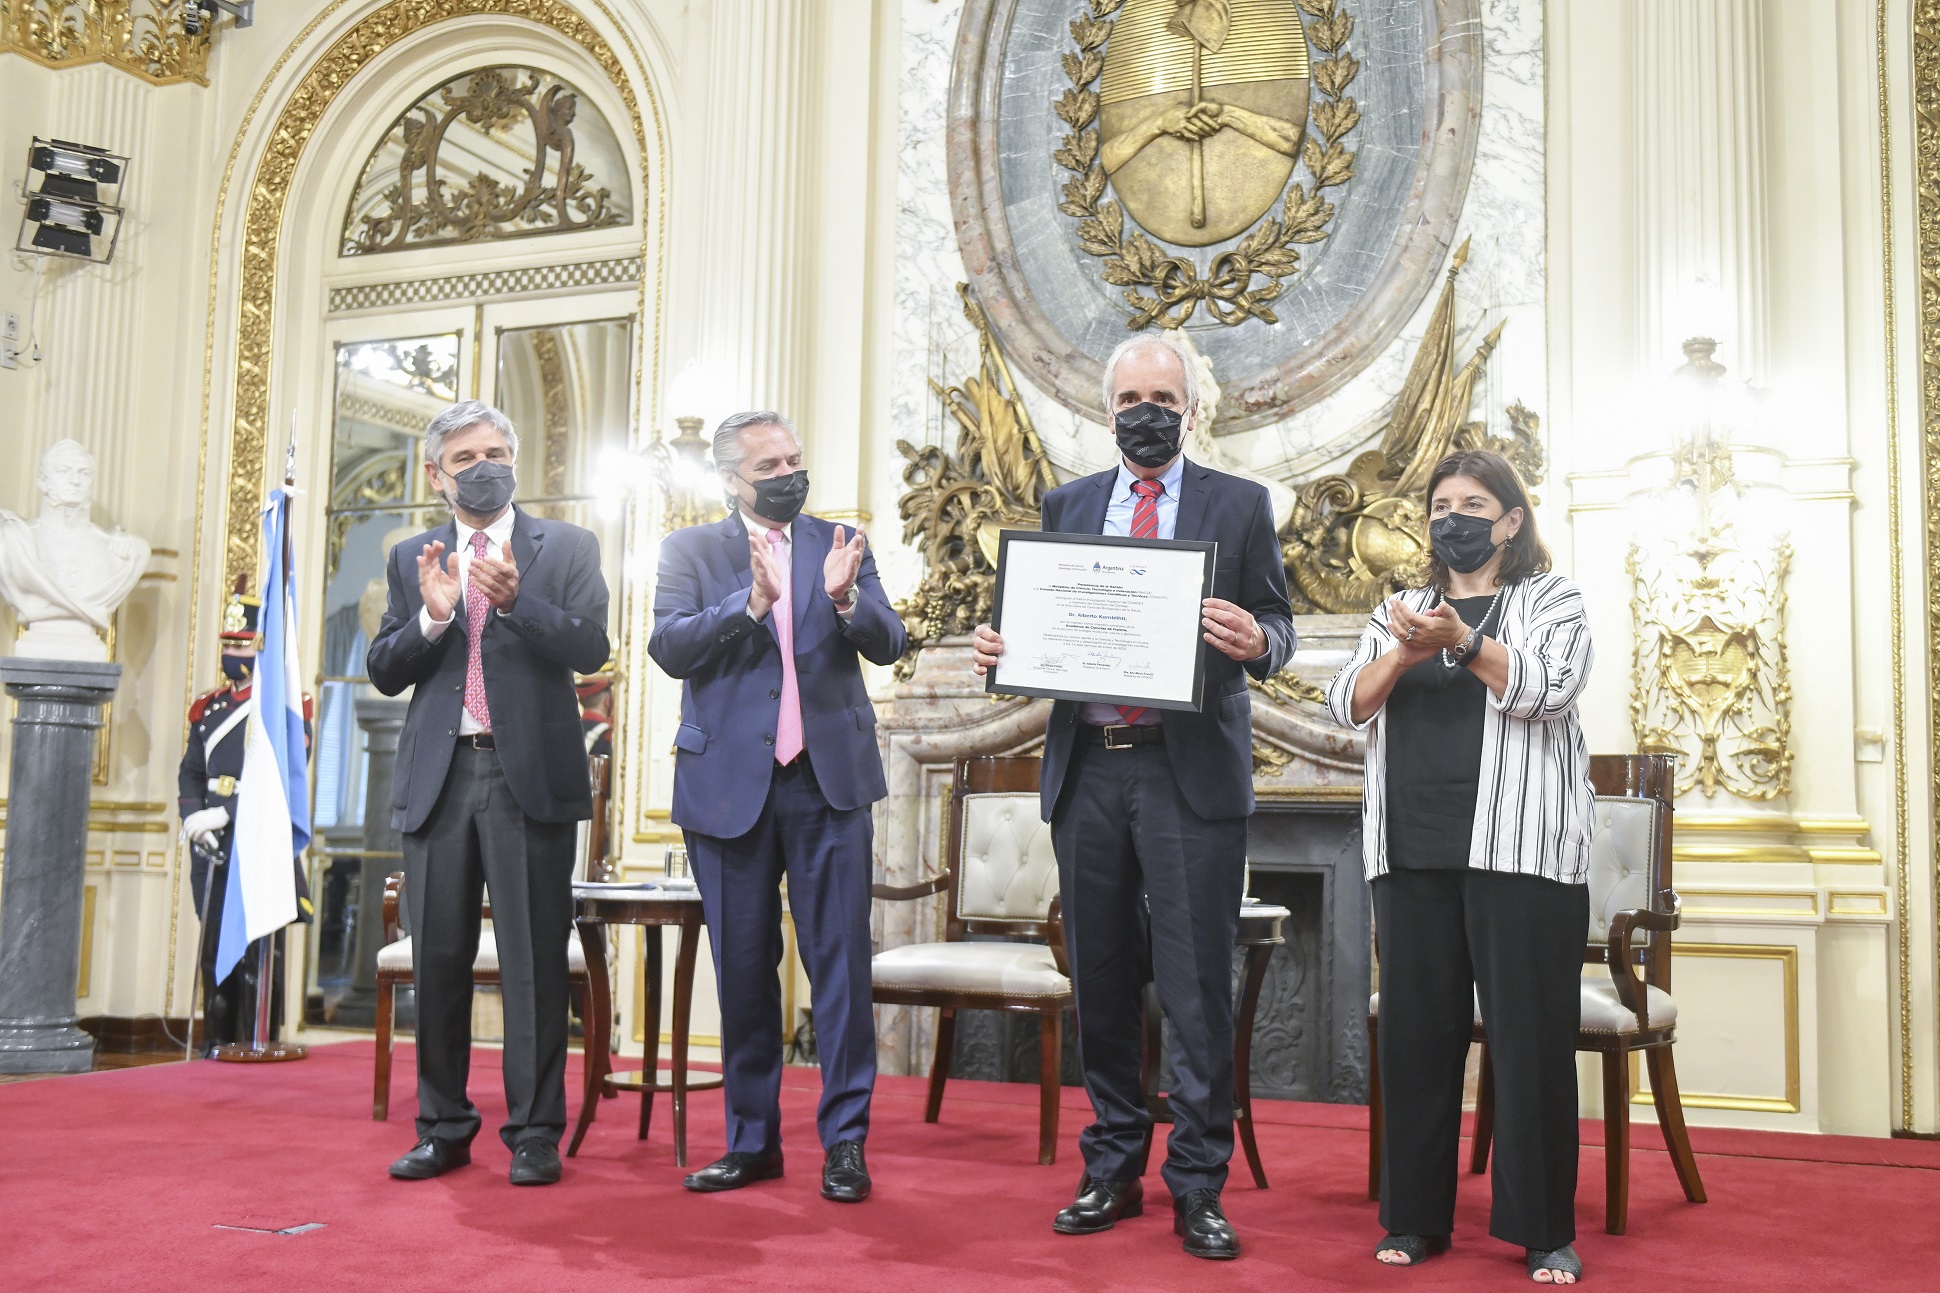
{"x": 269, "y": 193}
{"x": 141, "y": 37}
{"x": 1926, "y": 189}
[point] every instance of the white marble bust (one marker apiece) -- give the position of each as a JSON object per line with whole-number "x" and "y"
{"x": 63, "y": 574}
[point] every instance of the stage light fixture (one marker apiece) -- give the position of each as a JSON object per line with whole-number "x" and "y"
{"x": 73, "y": 197}
{"x": 200, "y": 15}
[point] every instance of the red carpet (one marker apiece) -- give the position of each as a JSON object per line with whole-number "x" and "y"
{"x": 119, "y": 1181}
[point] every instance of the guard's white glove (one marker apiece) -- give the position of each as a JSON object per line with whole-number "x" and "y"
{"x": 200, "y": 827}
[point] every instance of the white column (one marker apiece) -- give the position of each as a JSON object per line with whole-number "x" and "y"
{"x": 1703, "y": 247}
{"x": 753, "y": 211}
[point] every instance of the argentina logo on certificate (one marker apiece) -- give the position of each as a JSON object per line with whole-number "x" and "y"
{"x": 1097, "y": 618}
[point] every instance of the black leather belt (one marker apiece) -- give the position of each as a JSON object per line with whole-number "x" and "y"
{"x": 478, "y": 741}
{"x": 1124, "y": 736}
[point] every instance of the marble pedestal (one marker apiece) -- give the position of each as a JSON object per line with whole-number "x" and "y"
{"x": 47, "y": 834}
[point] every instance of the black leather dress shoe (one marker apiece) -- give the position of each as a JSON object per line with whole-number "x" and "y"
{"x": 734, "y": 1171}
{"x": 1196, "y": 1218}
{"x": 1100, "y": 1205}
{"x": 845, "y": 1177}
{"x": 535, "y": 1161}
{"x": 431, "y": 1157}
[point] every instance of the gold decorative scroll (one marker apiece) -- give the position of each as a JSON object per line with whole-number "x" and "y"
{"x": 141, "y": 37}
{"x": 558, "y": 429}
{"x": 1709, "y": 681}
{"x": 959, "y": 501}
{"x": 269, "y": 192}
{"x": 1193, "y": 112}
{"x": 1354, "y": 538}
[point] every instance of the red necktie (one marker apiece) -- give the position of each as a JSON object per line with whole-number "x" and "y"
{"x": 1145, "y": 525}
{"x": 477, "y": 607}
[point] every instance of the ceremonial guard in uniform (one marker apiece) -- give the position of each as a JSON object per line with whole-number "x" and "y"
{"x": 206, "y": 782}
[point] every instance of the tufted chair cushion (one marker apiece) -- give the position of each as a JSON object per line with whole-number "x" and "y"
{"x": 1000, "y": 969}
{"x": 1007, "y": 870}
{"x": 1626, "y": 831}
{"x": 397, "y": 956}
{"x": 1603, "y": 1011}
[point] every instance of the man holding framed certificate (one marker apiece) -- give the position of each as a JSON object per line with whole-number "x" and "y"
{"x": 1155, "y": 588}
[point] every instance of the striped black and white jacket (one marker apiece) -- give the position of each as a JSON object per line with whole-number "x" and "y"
{"x": 1533, "y": 806}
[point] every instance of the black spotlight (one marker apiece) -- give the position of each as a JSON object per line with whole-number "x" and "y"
{"x": 73, "y": 196}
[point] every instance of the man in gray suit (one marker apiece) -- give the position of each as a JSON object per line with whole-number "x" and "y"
{"x": 489, "y": 616}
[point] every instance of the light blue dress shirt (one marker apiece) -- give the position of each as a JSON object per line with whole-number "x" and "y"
{"x": 1118, "y": 524}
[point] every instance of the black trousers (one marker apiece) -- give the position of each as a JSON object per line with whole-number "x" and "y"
{"x": 1151, "y": 893}
{"x": 826, "y": 855}
{"x": 229, "y": 1007}
{"x": 1516, "y": 941}
{"x": 476, "y": 839}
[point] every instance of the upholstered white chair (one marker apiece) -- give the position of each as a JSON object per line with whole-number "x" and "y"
{"x": 394, "y": 958}
{"x": 1633, "y": 910}
{"x": 1001, "y": 879}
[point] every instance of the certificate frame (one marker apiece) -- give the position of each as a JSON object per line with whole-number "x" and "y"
{"x": 1209, "y": 556}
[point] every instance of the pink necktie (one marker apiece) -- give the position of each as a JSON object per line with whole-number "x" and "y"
{"x": 477, "y": 607}
{"x": 788, "y": 728}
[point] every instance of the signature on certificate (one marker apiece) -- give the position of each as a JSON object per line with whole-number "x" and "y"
{"x": 1049, "y": 661}
{"x": 1100, "y": 660}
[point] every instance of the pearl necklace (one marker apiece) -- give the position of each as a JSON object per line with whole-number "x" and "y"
{"x": 1481, "y": 624}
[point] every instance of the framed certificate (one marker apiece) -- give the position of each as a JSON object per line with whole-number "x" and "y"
{"x": 1093, "y": 618}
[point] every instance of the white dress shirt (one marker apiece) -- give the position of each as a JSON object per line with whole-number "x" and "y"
{"x": 1118, "y": 524}
{"x": 497, "y": 535}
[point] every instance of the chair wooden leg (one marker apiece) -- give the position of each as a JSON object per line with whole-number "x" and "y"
{"x": 1050, "y": 1040}
{"x": 1375, "y": 1128}
{"x": 1670, "y": 1117}
{"x": 650, "y": 1020}
{"x": 1257, "y": 960}
{"x": 1478, "y": 1155}
{"x": 380, "y": 1108}
{"x": 1616, "y": 1139}
{"x": 946, "y": 1035}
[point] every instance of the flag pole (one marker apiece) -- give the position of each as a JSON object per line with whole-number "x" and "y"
{"x": 1198, "y": 145}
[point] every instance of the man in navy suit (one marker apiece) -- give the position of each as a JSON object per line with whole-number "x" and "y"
{"x": 489, "y": 616}
{"x": 765, "y": 617}
{"x": 1148, "y": 811}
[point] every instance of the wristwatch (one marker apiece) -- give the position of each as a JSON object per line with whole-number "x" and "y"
{"x": 848, "y": 603}
{"x": 1470, "y": 647}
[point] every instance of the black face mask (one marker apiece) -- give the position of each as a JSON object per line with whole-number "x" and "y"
{"x": 1149, "y": 434}
{"x": 1464, "y": 543}
{"x": 484, "y": 488}
{"x": 236, "y": 667}
{"x": 779, "y": 498}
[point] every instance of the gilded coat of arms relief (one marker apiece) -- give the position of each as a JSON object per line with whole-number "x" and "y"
{"x": 1189, "y": 120}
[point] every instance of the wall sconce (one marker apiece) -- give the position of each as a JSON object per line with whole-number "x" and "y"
{"x": 1710, "y": 682}
{"x": 685, "y": 475}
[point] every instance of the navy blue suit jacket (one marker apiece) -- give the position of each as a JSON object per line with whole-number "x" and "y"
{"x": 730, "y": 667}
{"x": 1211, "y": 751}
{"x": 557, "y": 625}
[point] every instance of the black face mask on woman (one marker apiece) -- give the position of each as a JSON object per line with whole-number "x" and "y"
{"x": 1149, "y": 434}
{"x": 1464, "y": 543}
{"x": 779, "y": 498}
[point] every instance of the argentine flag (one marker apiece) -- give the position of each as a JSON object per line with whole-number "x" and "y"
{"x": 273, "y": 797}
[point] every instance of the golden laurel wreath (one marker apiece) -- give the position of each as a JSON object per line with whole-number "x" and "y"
{"x": 1133, "y": 261}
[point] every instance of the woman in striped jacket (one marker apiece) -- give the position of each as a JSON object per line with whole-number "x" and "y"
{"x": 1476, "y": 823}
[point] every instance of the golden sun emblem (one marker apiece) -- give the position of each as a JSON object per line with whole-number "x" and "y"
{"x": 1198, "y": 118}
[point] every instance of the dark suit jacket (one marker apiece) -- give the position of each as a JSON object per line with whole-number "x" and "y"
{"x": 1211, "y": 751}
{"x": 730, "y": 667}
{"x": 557, "y": 625}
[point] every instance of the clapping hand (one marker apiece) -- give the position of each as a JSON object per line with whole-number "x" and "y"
{"x": 438, "y": 580}
{"x": 497, "y": 577}
{"x": 1422, "y": 633}
{"x": 770, "y": 576}
{"x": 844, "y": 562}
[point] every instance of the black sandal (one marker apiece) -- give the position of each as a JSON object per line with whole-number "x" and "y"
{"x": 1416, "y": 1248}
{"x": 1562, "y": 1259}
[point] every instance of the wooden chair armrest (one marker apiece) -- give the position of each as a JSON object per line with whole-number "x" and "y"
{"x": 1055, "y": 918}
{"x": 393, "y": 883}
{"x": 906, "y": 892}
{"x": 1623, "y": 971}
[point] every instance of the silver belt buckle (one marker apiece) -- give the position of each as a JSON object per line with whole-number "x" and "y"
{"x": 1112, "y": 743}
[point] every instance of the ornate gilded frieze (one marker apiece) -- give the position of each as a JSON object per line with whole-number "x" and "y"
{"x": 1194, "y": 113}
{"x": 490, "y": 154}
{"x": 142, "y": 37}
{"x": 959, "y": 500}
